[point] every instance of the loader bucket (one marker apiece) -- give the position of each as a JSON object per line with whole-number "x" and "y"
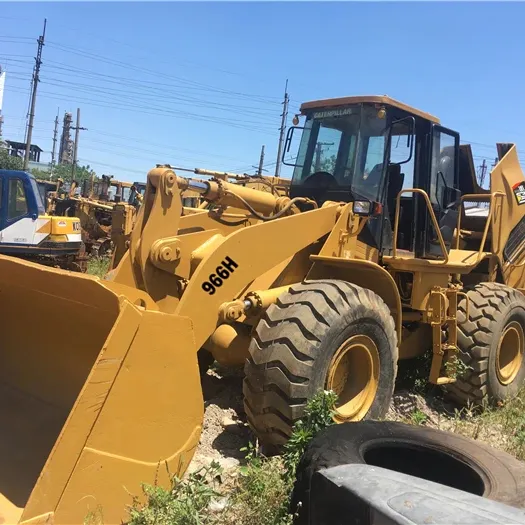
{"x": 97, "y": 395}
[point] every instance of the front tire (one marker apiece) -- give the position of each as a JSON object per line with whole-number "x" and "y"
{"x": 324, "y": 334}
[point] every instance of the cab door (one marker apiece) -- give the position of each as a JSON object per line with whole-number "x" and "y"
{"x": 17, "y": 218}
{"x": 443, "y": 189}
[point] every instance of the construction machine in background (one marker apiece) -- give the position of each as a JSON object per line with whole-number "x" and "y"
{"x": 27, "y": 231}
{"x": 374, "y": 256}
{"x": 95, "y": 206}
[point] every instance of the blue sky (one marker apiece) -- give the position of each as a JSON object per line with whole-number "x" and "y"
{"x": 200, "y": 84}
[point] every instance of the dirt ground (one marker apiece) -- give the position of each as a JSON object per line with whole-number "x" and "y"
{"x": 225, "y": 430}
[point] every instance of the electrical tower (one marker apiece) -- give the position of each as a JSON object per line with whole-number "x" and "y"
{"x": 282, "y": 129}
{"x": 55, "y": 133}
{"x": 65, "y": 153}
{"x": 482, "y": 172}
{"x": 77, "y": 128}
{"x": 260, "y": 168}
{"x": 34, "y": 85}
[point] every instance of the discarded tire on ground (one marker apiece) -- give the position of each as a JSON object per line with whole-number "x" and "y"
{"x": 434, "y": 455}
{"x": 321, "y": 334}
{"x": 492, "y": 344}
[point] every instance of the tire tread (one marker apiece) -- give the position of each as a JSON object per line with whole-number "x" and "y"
{"x": 286, "y": 344}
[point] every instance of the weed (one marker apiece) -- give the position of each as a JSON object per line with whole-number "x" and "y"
{"x": 98, "y": 266}
{"x": 94, "y": 517}
{"x": 319, "y": 413}
{"x": 456, "y": 368}
{"x": 185, "y": 503}
{"x": 263, "y": 491}
{"x": 261, "y": 496}
{"x": 418, "y": 417}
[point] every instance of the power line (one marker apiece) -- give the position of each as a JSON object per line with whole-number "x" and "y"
{"x": 156, "y": 111}
{"x": 130, "y": 66}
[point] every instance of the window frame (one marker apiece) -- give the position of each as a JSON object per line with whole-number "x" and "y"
{"x": 8, "y": 218}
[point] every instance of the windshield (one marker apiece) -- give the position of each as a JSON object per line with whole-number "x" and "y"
{"x": 346, "y": 148}
{"x": 38, "y": 196}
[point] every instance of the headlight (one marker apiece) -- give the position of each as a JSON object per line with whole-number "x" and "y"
{"x": 362, "y": 207}
{"x": 367, "y": 208}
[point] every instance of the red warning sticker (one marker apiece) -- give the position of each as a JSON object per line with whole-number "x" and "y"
{"x": 519, "y": 192}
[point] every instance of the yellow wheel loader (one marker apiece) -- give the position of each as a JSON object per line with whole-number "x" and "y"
{"x": 384, "y": 249}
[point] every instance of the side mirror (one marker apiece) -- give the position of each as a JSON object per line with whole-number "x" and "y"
{"x": 405, "y": 126}
{"x": 288, "y": 143}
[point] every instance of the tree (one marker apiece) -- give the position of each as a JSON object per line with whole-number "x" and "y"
{"x": 63, "y": 171}
{"x": 328, "y": 164}
{"x": 8, "y": 162}
{"x": 40, "y": 174}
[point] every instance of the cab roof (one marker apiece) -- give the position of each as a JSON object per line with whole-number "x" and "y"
{"x": 16, "y": 173}
{"x": 366, "y": 99}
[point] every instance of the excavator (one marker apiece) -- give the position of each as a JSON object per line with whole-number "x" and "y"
{"x": 383, "y": 249}
{"x": 29, "y": 232}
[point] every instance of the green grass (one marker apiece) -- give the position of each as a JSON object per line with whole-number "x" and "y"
{"x": 418, "y": 417}
{"x": 185, "y": 503}
{"x": 501, "y": 426}
{"x": 98, "y": 266}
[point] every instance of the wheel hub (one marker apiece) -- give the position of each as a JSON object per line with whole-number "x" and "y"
{"x": 510, "y": 353}
{"x": 353, "y": 375}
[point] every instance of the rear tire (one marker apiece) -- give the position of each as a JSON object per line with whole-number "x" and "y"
{"x": 324, "y": 334}
{"x": 492, "y": 343}
{"x": 437, "y": 456}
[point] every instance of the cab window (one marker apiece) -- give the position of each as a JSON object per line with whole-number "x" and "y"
{"x": 443, "y": 174}
{"x": 17, "y": 203}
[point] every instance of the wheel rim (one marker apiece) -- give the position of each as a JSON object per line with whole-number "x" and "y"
{"x": 353, "y": 375}
{"x": 510, "y": 353}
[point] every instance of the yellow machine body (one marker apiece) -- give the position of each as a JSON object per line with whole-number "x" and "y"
{"x": 91, "y": 414}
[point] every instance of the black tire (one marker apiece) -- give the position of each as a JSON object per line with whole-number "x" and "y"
{"x": 493, "y": 308}
{"x": 434, "y": 455}
{"x": 294, "y": 343}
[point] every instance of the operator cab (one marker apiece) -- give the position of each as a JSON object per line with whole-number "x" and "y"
{"x": 366, "y": 150}
{"x": 20, "y": 206}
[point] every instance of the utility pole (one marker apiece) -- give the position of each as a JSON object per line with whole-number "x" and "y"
{"x": 482, "y": 173}
{"x": 35, "y": 81}
{"x": 261, "y": 163}
{"x": 55, "y": 133}
{"x": 77, "y": 128}
{"x": 282, "y": 129}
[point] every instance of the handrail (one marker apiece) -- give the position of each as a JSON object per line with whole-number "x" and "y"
{"x": 477, "y": 197}
{"x": 432, "y": 216}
